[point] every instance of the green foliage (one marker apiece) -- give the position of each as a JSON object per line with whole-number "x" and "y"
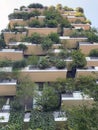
{"x": 19, "y": 64}
{"x": 58, "y": 6}
{"x": 79, "y": 14}
{"x": 34, "y": 23}
{"x": 42, "y": 121}
{"x": 35, "y": 38}
{"x": 22, "y": 7}
{"x": 35, "y": 5}
{"x": 33, "y": 60}
{"x": 5, "y": 63}
{"x": 92, "y": 37}
{"x": 34, "y": 13}
{"x": 85, "y": 84}
{"x": 43, "y": 63}
{"x": 60, "y": 64}
{"x": 15, "y": 104}
{"x": 66, "y": 8}
{"x": 63, "y": 54}
{"x": 94, "y": 53}
{"x": 79, "y": 9}
{"x": 79, "y": 60}
{"x": 65, "y": 23}
{"x": 54, "y": 37}
{"x": 25, "y": 91}
{"x": 23, "y": 15}
{"x": 16, "y": 118}
{"x": 52, "y": 17}
{"x": 49, "y": 99}
{"x": 46, "y": 43}
{"x": 51, "y": 23}
{"x": 83, "y": 118}
{"x": 22, "y": 47}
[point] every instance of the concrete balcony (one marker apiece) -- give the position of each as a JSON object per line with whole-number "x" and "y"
{"x": 83, "y": 26}
{"x": 41, "y": 31}
{"x": 92, "y": 61}
{"x": 8, "y": 87}
{"x": 46, "y": 75}
{"x": 71, "y": 42}
{"x": 75, "y": 99}
{"x": 90, "y": 71}
{"x": 86, "y": 47}
{"x": 11, "y": 54}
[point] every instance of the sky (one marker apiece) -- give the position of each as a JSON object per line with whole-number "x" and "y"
{"x": 89, "y": 6}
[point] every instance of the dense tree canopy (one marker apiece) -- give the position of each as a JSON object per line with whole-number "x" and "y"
{"x": 79, "y": 60}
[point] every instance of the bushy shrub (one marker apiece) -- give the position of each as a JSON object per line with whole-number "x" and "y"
{"x": 54, "y": 37}
{"x": 43, "y": 63}
{"x": 60, "y": 64}
{"x": 19, "y": 64}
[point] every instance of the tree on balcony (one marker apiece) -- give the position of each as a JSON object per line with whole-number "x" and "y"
{"x": 46, "y": 44}
{"x": 22, "y": 47}
{"x": 49, "y": 99}
{"x": 25, "y": 91}
{"x": 54, "y": 37}
{"x": 43, "y": 63}
{"x": 83, "y": 118}
{"x": 79, "y": 9}
{"x": 79, "y": 60}
{"x": 60, "y": 64}
{"x": 35, "y": 5}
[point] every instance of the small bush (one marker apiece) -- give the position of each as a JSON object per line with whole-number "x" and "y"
{"x": 60, "y": 64}
{"x": 43, "y": 63}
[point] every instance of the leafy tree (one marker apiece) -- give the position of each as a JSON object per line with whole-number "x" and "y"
{"x": 22, "y": 7}
{"x": 92, "y": 37}
{"x": 60, "y": 30}
{"x": 79, "y": 60}
{"x": 49, "y": 100}
{"x": 85, "y": 84}
{"x": 58, "y": 6}
{"x": 19, "y": 64}
{"x": 63, "y": 85}
{"x": 66, "y": 8}
{"x": 34, "y": 13}
{"x": 25, "y": 91}
{"x": 60, "y": 64}
{"x": 23, "y": 15}
{"x": 54, "y": 37}
{"x": 51, "y": 23}
{"x": 22, "y": 47}
{"x": 63, "y": 54}
{"x": 36, "y": 38}
{"x": 65, "y": 23}
{"x": 35, "y": 5}
{"x": 5, "y": 63}
{"x": 26, "y": 39}
{"x": 33, "y": 60}
{"x": 79, "y": 14}
{"x": 46, "y": 43}
{"x": 34, "y": 23}
{"x": 79, "y": 9}
{"x": 43, "y": 63}
{"x": 52, "y": 14}
{"x": 83, "y": 118}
